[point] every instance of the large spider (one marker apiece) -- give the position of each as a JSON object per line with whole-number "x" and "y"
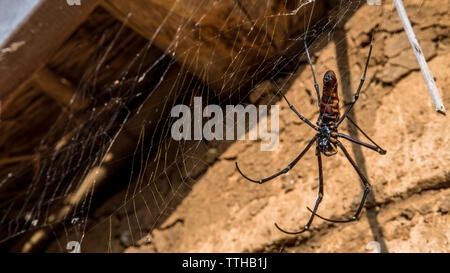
{"x": 327, "y": 138}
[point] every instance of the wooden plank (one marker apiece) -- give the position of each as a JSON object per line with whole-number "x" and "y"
{"x": 36, "y": 39}
{"x": 224, "y": 42}
{"x": 60, "y": 89}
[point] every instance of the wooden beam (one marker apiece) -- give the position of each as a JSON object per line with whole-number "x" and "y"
{"x": 61, "y": 90}
{"x": 36, "y": 39}
{"x": 15, "y": 159}
{"x": 223, "y": 43}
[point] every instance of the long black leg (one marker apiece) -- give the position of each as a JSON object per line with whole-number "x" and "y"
{"x": 319, "y": 197}
{"x": 375, "y": 148}
{"x": 316, "y": 86}
{"x": 366, "y": 190}
{"x": 298, "y": 114}
{"x": 357, "y": 91}
{"x": 373, "y": 142}
{"x": 285, "y": 170}
{"x": 295, "y": 110}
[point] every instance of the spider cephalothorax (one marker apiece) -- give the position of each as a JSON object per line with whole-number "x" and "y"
{"x": 327, "y": 138}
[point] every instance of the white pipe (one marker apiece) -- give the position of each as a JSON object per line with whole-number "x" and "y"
{"x": 434, "y": 92}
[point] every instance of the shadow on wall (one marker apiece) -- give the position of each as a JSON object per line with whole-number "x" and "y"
{"x": 344, "y": 71}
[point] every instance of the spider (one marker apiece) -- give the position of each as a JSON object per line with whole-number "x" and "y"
{"x": 327, "y": 138}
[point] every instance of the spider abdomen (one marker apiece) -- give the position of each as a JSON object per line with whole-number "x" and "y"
{"x": 329, "y": 105}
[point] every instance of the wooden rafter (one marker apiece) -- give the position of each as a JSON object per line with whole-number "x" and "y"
{"x": 34, "y": 40}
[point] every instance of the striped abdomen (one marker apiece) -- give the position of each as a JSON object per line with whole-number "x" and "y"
{"x": 329, "y": 105}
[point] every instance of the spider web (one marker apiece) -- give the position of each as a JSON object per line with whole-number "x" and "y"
{"x": 113, "y": 166}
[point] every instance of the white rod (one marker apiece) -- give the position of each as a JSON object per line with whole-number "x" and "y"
{"x": 434, "y": 92}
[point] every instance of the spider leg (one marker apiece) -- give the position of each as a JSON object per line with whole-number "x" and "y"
{"x": 298, "y": 114}
{"x": 382, "y": 151}
{"x": 357, "y": 91}
{"x": 319, "y": 197}
{"x": 295, "y": 110}
{"x": 375, "y": 148}
{"x": 285, "y": 170}
{"x": 363, "y": 200}
{"x": 316, "y": 86}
